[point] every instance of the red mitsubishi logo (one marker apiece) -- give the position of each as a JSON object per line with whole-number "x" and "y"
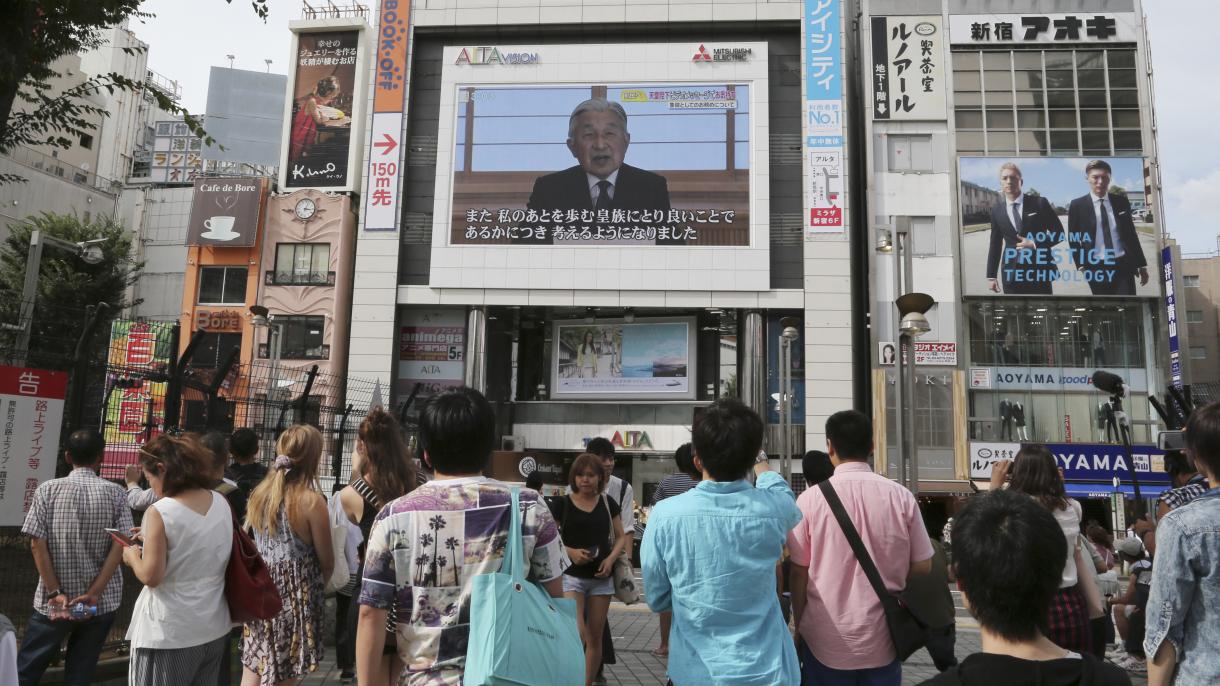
{"x": 702, "y": 55}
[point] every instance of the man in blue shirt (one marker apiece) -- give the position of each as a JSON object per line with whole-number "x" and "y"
{"x": 709, "y": 556}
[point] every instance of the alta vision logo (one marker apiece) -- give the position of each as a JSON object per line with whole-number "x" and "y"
{"x": 484, "y": 56}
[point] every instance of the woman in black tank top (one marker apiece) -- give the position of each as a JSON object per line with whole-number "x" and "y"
{"x": 383, "y": 471}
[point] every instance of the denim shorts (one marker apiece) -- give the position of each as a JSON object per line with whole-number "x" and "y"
{"x": 576, "y": 584}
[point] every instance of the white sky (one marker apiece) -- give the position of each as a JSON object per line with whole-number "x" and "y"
{"x": 187, "y": 38}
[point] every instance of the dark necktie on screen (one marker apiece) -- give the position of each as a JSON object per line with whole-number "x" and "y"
{"x": 1016, "y": 217}
{"x": 603, "y": 195}
{"x": 1106, "y": 238}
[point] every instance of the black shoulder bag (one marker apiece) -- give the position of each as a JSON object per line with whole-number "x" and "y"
{"x": 908, "y": 632}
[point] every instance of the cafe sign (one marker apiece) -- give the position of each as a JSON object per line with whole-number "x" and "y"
{"x": 218, "y": 320}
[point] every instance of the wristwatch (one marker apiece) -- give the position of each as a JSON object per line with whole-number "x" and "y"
{"x": 54, "y": 594}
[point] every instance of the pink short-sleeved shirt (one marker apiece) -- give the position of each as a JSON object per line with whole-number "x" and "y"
{"x": 843, "y": 623}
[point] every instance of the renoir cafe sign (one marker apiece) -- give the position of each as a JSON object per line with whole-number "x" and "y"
{"x": 1081, "y": 461}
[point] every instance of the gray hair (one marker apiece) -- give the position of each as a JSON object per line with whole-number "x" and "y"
{"x": 596, "y": 105}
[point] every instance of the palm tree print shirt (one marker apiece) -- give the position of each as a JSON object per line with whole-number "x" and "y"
{"x": 423, "y": 552}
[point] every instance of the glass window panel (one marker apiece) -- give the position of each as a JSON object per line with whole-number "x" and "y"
{"x": 1031, "y": 119}
{"x": 321, "y": 262}
{"x": 283, "y": 262}
{"x": 1090, "y": 78}
{"x": 1128, "y": 140}
{"x": 1030, "y": 99}
{"x": 1032, "y": 142}
{"x": 968, "y": 119}
{"x": 967, "y": 81}
{"x": 965, "y": 61}
{"x": 1090, "y": 59}
{"x": 1027, "y": 60}
{"x": 997, "y": 80}
{"x": 1094, "y": 119}
{"x": 1059, "y": 78}
{"x": 999, "y": 98}
{"x": 1001, "y": 141}
{"x": 1122, "y": 78}
{"x": 999, "y": 119}
{"x": 1128, "y": 119}
{"x": 1095, "y": 142}
{"x": 1028, "y": 80}
{"x": 974, "y": 99}
{"x": 1092, "y": 98}
{"x": 211, "y": 284}
{"x": 235, "y": 285}
{"x": 1124, "y": 98}
{"x": 1061, "y": 98}
{"x": 996, "y": 60}
{"x": 1063, "y": 119}
{"x": 1124, "y": 59}
{"x": 970, "y": 140}
{"x": 1064, "y": 141}
{"x": 1058, "y": 59}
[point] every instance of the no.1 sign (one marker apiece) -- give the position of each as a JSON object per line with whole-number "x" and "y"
{"x": 31, "y": 410}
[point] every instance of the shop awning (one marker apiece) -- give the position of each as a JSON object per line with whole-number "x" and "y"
{"x": 1079, "y": 490}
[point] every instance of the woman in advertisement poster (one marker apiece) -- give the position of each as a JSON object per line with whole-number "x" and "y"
{"x": 586, "y": 356}
{"x": 310, "y": 116}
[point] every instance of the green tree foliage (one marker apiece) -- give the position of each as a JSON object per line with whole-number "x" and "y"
{"x": 35, "y": 33}
{"x": 67, "y": 285}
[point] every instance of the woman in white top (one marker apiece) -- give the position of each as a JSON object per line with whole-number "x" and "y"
{"x": 181, "y": 619}
{"x": 1035, "y": 472}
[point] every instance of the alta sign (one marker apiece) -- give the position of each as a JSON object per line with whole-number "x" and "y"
{"x": 484, "y": 56}
{"x": 628, "y": 440}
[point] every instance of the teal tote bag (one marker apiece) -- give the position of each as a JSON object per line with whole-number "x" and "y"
{"x": 519, "y": 634}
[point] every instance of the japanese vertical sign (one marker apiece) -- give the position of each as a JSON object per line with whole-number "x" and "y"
{"x": 822, "y": 26}
{"x": 385, "y": 155}
{"x": 31, "y": 410}
{"x": 134, "y": 407}
{"x": 325, "y": 105}
{"x": 1171, "y": 317}
{"x": 908, "y": 72}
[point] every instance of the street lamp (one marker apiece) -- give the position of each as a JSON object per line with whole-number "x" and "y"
{"x": 90, "y": 251}
{"x": 261, "y": 318}
{"x": 788, "y": 335}
{"x": 913, "y": 324}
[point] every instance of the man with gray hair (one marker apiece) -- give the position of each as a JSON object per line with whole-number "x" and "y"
{"x": 598, "y": 139}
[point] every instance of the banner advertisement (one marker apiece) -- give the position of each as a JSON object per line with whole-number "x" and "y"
{"x": 616, "y": 359}
{"x": 134, "y": 407}
{"x": 1171, "y": 317}
{"x": 1034, "y": 226}
{"x": 224, "y": 212}
{"x": 989, "y": 29}
{"x": 386, "y": 153}
{"x": 1083, "y": 462}
{"x": 32, "y": 410}
{"x": 908, "y": 68}
{"x": 431, "y": 352}
{"x": 1060, "y": 379}
{"x": 926, "y": 354}
{"x": 823, "y": 33}
{"x": 551, "y": 164}
{"x": 324, "y": 93}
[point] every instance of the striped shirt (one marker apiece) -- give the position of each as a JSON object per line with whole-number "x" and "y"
{"x": 1177, "y": 497}
{"x": 674, "y": 484}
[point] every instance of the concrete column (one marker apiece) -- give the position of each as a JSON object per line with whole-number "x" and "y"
{"x": 476, "y": 349}
{"x": 752, "y": 377}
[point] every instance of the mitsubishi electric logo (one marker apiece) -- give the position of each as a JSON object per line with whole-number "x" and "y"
{"x": 722, "y": 54}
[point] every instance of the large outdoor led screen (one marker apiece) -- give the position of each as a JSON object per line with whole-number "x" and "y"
{"x": 616, "y": 359}
{"x": 1047, "y": 226}
{"x": 528, "y": 160}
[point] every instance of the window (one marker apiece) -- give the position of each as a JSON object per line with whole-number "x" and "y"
{"x": 86, "y": 141}
{"x": 1190, "y": 281}
{"x": 302, "y": 264}
{"x": 1059, "y": 333}
{"x": 1198, "y": 352}
{"x": 222, "y": 285}
{"x": 302, "y": 338}
{"x": 909, "y": 153}
{"x": 214, "y": 348}
{"x": 1194, "y": 316}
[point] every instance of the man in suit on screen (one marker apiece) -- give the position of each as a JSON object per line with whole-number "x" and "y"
{"x": 598, "y": 139}
{"x": 1023, "y": 229}
{"x": 1102, "y": 236}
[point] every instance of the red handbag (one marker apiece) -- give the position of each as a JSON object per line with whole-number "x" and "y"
{"x": 248, "y": 586}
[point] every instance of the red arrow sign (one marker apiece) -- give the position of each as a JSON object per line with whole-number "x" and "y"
{"x": 388, "y": 144}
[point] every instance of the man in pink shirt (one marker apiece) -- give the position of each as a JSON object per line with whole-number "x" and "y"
{"x": 844, "y": 639}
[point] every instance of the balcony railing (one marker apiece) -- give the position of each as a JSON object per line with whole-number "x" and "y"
{"x": 324, "y": 9}
{"x": 57, "y": 167}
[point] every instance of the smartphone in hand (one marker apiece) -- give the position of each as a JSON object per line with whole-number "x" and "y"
{"x": 123, "y": 539}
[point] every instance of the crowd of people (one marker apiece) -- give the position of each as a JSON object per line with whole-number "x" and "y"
{"x": 752, "y": 584}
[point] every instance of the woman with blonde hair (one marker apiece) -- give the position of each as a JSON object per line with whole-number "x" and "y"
{"x": 180, "y": 623}
{"x": 291, "y": 528}
{"x": 384, "y": 472}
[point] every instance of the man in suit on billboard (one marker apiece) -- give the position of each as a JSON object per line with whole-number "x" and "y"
{"x": 1102, "y": 236}
{"x": 1023, "y": 229}
{"x": 598, "y": 139}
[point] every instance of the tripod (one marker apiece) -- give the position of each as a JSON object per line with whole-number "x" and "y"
{"x": 1124, "y": 432}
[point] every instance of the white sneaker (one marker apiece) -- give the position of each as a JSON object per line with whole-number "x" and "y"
{"x": 1116, "y": 653}
{"x": 1133, "y": 664}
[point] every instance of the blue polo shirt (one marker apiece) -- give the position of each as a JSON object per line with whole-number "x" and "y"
{"x": 709, "y": 555}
